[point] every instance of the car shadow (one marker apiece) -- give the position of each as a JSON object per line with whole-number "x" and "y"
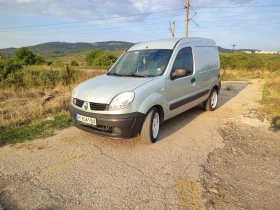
{"x": 229, "y": 90}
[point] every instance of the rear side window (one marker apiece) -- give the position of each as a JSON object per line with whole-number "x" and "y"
{"x": 184, "y": 60}
{"x": 207, "y": 58}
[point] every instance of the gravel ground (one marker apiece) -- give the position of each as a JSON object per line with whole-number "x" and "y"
{"x": 78, "y": 170}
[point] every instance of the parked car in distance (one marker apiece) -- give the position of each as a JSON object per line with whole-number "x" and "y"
{"x": 150, "y": 83}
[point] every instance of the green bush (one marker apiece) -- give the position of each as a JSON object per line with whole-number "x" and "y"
{"x": 39, "y": 60}
{"x": 68, "y": 76}
{"x": 97, "y": 57}
{"x": 74, "y": 63}
{"x": 241, "y": 61}
{"x": 57, "y": 63}
{"x": 7, "y": 67}
{"x": 49, "y": 63}
{"x": 273, "y": 66}
{"x": 15, "y": 80}
{"x": 49, "y": 79}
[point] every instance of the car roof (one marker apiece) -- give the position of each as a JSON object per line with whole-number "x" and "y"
{"x": 171, "y": 43}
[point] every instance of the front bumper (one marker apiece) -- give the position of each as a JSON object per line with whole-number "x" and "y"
{"x": 113, "y": 126}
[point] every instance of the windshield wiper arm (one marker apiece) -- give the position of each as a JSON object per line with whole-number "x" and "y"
{"x": 127, "y": 75}
{"x": 115, "y": 74}
{"x": 139, "y": 75}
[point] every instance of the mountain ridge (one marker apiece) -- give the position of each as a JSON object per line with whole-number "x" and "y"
{"x": 56, "y": 49}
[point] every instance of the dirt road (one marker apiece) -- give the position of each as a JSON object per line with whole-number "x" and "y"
{"x": 78, "y": 170}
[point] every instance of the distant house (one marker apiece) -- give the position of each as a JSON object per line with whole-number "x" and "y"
{"x": 266, "y": 52}
{"x": 247, "y": 52}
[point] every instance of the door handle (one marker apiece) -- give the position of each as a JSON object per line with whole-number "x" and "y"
{"x": 193, "y": 80}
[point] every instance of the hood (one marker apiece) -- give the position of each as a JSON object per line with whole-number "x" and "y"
{"x": 103, "y": 88}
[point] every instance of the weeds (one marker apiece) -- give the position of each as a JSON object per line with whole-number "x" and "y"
{"x": 37, "y": 129}
{"x": 271, "y": 99}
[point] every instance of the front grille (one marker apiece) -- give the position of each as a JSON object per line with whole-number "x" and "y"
{"x": 79, "y": 102}
{"x": 93, "y": 106}
{"x": 98, "y": 107}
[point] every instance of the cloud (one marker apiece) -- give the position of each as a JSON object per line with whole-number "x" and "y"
{"x": 245, "y": 2}
{"x": 97, "y": 9}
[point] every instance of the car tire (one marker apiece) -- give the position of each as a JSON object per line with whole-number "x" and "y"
{"x": 150, "y": 129}
{"x": 211, "y": 103}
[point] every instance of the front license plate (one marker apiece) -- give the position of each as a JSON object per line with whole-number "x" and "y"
{"x": 86, "y": 120}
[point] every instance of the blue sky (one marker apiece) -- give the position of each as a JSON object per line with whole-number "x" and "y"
{"x": 250, "y": 24}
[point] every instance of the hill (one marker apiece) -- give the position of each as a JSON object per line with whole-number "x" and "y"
{"x": 57, "y": 49}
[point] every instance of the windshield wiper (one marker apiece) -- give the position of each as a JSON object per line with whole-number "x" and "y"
{"x": 139, "y": 75}
{"x": 127, "y": 75}
{"x": 115, "y": 74}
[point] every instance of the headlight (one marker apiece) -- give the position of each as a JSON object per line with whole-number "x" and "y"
{"x": 121, "y": 101}
{"x": 74, "y": 92}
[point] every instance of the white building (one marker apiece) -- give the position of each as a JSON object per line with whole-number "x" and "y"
{"x": 266, "y": 52}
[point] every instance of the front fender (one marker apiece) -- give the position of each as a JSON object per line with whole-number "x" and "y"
{"x": 151, "y": 101}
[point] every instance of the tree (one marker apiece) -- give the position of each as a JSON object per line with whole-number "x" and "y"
{"x": 24, "y": 56}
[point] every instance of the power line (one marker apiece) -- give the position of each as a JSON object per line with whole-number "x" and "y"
{"x": 233, "y": 7}
{"x": 110, "y": 18}
{"x": 220, "y": 12}
{"x": 110, "y": 23}
{"x": 83, "y": 21}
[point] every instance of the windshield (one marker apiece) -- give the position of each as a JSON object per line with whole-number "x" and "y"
{"x": 142, "y": 63}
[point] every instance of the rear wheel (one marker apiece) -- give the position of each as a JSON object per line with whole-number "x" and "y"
{"x": 211, "y": 103}
{"x": 150, "y": 128}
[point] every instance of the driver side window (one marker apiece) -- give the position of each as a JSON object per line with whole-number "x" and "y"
{"x": 184, "y": 60}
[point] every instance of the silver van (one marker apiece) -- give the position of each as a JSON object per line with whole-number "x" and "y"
{"x": 150, "y": 83}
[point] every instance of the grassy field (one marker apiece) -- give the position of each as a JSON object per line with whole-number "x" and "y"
{"x": 34, "y": 100}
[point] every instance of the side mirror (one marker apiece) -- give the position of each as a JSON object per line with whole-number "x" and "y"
{"x": 179, "y": 73}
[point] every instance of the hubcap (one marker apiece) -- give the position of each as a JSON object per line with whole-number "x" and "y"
{"x": 155, "y": 125}
{"x": 214, "y": 100}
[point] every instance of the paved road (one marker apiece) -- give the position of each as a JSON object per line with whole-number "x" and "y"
{"x": 78, "y": 170}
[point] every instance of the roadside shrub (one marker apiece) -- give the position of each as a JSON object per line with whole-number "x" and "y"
{"x": 57, "y": 63}
{"x": 97, "y": 57}
{"x": 49, "y": 63}
{"x": 74, "y": 63}
{"x": 7, "y": 67}
{"x": 48, "y": 79}
{"x": 30, "y": 79}
{"x": 273, "y": 66}
{"x": 240, "y": 61}
{"x": 68, "y": 76}
{"x": 15, "y": 80}
{"x": 39, "y": 60}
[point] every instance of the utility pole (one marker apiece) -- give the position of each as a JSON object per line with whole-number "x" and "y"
{"x": 187, "y": 18}
{"x": 233, "y": 46}
{"x": 172, "y": 29}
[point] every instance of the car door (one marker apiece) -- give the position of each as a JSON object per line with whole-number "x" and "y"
{"x": 180, "y": 91}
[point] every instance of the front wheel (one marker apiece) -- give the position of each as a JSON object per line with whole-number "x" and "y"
{"x": 211, "y": 103}
{"x": 150, "y": 128}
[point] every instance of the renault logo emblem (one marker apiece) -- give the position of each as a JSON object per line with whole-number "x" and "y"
{"x": 86, "y": 105}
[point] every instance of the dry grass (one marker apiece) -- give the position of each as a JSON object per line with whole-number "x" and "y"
{"x": 241, "y": 74}
{"x": 271, "y": 99}
{"x": 22, "y": 107}
{"x": 25, "y": 106}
